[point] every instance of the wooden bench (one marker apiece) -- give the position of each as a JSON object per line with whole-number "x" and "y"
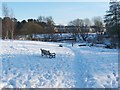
{"x": 47, "y": 53}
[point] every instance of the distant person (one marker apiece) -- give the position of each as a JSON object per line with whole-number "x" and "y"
{"x": 72, "y": 44}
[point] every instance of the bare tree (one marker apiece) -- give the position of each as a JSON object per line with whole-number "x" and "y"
{"x": 98, "y": 23}
{"x": 6, "y": 22}
{"x": 12, "y": 24}
{"x": 5, "y": 10}
{"x": 50, "y": 27}
{"x": 76, "y": 24}
{"x": 85, "y": 29}
{"x": 41, "y": 19}
{"x": 87, "y": 22}
{"x": 81, "y": 28}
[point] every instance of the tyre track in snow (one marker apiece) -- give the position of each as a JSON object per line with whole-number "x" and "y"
{"x": 87, "y": 64}
{"x": 82, "y": 70}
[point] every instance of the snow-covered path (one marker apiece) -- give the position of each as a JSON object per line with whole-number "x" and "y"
{"x": 95, "y": 67}
{"x": 80, "y": 67}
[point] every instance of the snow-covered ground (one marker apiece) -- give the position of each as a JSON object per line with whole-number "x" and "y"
{"x": 22, "y": 66}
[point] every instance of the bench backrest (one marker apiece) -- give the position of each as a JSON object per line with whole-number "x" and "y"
{"x": 45, "y": 52}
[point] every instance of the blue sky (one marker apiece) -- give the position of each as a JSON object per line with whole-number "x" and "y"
{"x": 62, "y": 12}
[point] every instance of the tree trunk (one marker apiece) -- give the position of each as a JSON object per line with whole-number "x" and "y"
{"x": 12, "y": 34}
{"x": 6, "y": 37}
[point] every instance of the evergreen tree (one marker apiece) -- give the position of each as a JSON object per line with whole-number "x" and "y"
{"x": 112, "y": 19}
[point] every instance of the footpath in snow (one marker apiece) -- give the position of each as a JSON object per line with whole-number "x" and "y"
{"x": 22, "y": 66}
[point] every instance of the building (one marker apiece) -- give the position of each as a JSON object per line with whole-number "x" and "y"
{"x": 77, "y": 29}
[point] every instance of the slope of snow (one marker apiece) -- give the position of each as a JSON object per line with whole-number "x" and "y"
{"x": 22, "y": 66}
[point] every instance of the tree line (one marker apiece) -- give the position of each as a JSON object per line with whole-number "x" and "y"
{"x": 12, "y": 28}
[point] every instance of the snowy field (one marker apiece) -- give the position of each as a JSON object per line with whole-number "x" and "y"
{"x": 22, "y": 66}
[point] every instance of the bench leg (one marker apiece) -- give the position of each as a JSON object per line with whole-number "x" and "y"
{"x": 50, "y": 56}
{"x": 41, "y": 54}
